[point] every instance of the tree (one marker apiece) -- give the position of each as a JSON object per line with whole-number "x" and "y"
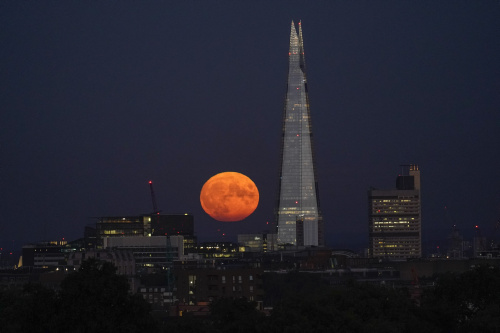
{"x": 354, "y": 307}
{"x": 467, "y": 302}
{"x": 236, "y": 315}
{"x": 96, "y": 299}
{"x": 31, "y": 309}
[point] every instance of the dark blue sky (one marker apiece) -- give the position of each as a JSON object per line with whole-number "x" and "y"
{"x": 98, "y": 97}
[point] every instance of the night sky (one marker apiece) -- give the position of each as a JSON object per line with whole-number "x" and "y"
{"x": 99, "y": 97}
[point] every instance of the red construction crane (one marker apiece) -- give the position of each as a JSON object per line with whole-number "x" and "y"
{"x": 153, "y": 198}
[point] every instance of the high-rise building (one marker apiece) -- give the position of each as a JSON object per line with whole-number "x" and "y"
{"x": 394, "y": 218}
{"x": 298, "y": 190}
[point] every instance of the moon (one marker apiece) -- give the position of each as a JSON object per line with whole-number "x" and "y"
{"x": 229, "y": 197}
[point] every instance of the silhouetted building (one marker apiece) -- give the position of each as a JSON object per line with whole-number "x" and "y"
{"x": 90, "y": 237}
{"x": 455, "y": 244}
{"x": 208, "y": 284}
{"x": 159, "y": 296}
{"x": 480, "y": 243}
{"x": 395, "y": 218}
{"x": 45, "y": 254}
{"x": 172, "y": 225}
{"x": 298, "y": 191}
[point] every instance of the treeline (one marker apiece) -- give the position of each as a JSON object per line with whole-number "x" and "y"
{"x": 96, "y": 299}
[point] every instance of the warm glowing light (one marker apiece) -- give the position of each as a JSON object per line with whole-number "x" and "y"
{"x": 229, "y": 197}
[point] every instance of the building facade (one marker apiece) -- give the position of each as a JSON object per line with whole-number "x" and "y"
{"x": 264, "y": 242}
{"x": 298, "y": 189}
{"x": 395, "y": 218}
{"x": 154, "y": 251}
{"x": 146, "y": 225}
{"x": 209, "y": 284}
{"x": 122, "y": 226}
{"x": 45, "y": 254}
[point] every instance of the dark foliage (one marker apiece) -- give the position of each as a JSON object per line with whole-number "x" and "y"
{"x": 238, "y": 316}
{"x": 32, "y": 309}
{"x": 351, "y": 308}
{"x": 94, "y": 299}
{"x": 468, "y": 302}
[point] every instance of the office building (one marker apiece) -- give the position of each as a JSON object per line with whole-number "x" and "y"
{"x": 146, "y": 225}
{"x": 154, "y": 251}
{"x": 298, "y": 190}
{"x": 263, "y": 242}
{"x": 45, "y": 254}
{"x": 122, "y": 226}
{"x": 395, "y": 218}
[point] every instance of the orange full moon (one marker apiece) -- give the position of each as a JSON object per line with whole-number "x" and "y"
{"x": 229, "y": 197}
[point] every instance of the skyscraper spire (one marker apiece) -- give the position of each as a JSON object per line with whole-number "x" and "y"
{"x": 298, "y": 214}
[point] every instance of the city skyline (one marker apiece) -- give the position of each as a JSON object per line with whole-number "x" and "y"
{"x": 98, "y": 99}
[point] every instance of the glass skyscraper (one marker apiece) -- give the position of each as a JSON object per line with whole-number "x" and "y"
{"x": 299, "y": 218}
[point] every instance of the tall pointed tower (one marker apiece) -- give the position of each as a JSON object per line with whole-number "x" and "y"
{"x": 299, "y": 218}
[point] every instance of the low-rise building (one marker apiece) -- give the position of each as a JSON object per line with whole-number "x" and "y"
{"x": 196, "y": 285}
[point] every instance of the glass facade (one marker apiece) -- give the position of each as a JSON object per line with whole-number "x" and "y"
{"x": 298, "y": 197}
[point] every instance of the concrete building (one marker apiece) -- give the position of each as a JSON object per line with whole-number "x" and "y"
{"x": 154, "y": 251}
{"x": 123, "y": 260}
{"x": 394, "y": 218}
{"x": 298, "y": 192}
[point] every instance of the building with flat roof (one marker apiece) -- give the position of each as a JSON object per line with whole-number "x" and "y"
{"x": 263, "y": 242}
{"x": 45, "y": 254}
{"x": 146, "y": 225}
{"x": 394, "y": 218}
{"x": 154, "y": 251}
